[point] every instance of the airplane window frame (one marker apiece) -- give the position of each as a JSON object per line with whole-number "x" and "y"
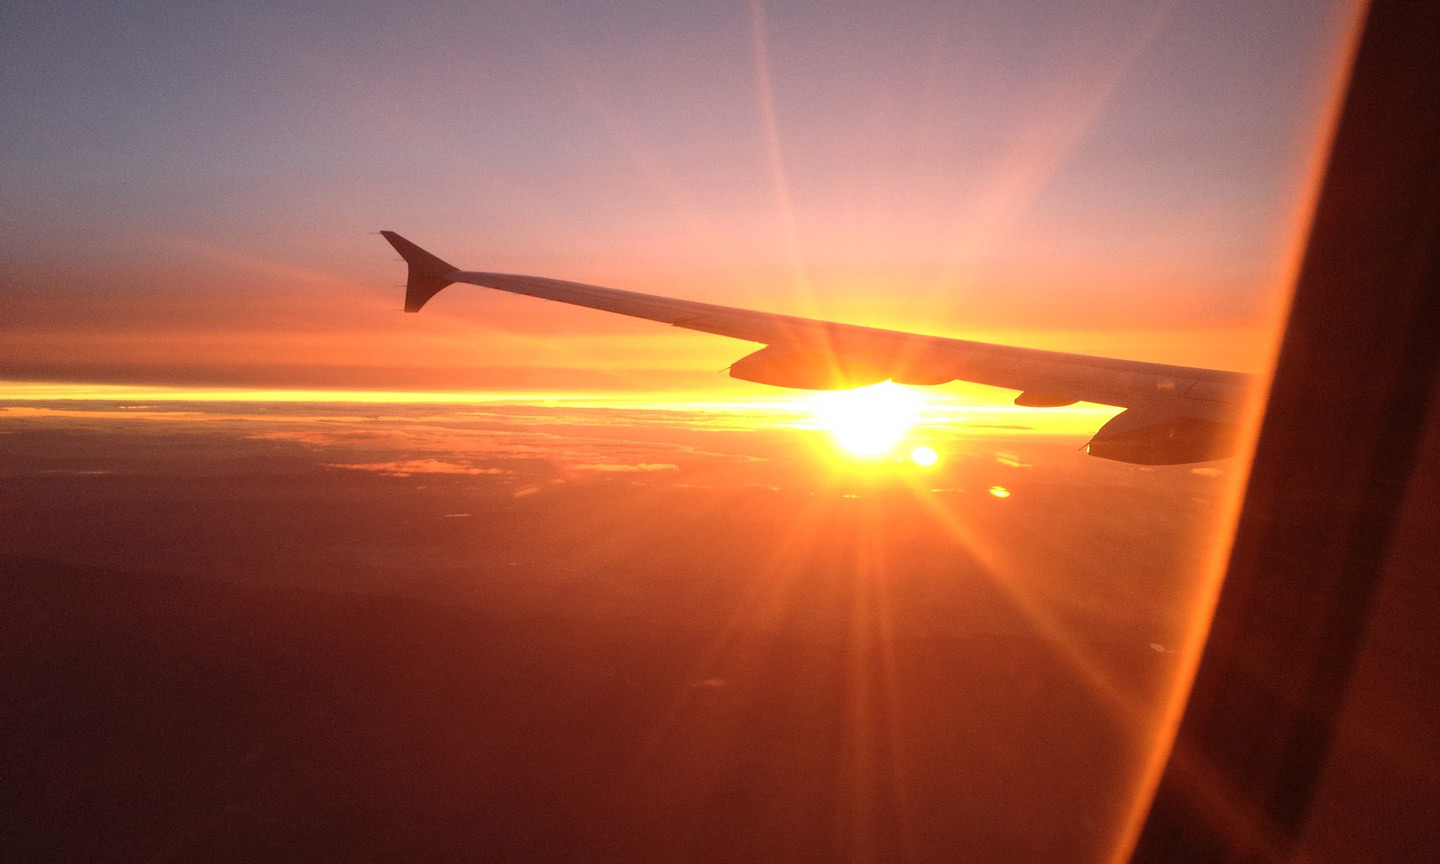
{"x": 1338, "y": 456}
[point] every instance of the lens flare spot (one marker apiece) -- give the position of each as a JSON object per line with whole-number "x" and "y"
{"x": 924, "y": 457}
{"x": 867, "y": 421}
{"x": 999, "y": 491}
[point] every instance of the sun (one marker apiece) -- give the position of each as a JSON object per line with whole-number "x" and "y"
{"x": 867, "y": 421}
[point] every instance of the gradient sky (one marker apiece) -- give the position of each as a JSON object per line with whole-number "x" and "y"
{"x": 187, "y": 191}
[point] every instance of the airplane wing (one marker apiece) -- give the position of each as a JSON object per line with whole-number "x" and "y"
{"x": 1174, "y": 414}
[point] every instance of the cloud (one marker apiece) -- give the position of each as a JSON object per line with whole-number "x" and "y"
{"x": 611, "y": 467}
{"x": 408, "y": 467}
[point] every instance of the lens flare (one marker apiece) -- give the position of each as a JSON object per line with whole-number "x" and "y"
{"x": 867, "y": 421}
{"x": 924, "y": 456}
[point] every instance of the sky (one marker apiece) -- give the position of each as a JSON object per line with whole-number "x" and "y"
{"x": 188, "y": 193}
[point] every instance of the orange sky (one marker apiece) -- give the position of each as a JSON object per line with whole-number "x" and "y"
{"x": 189, "y": 196}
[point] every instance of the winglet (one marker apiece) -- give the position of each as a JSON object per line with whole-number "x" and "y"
{"x": 428, "y": 274}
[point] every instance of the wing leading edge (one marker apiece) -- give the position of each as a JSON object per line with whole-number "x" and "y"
{"x": 1174, "y": 414}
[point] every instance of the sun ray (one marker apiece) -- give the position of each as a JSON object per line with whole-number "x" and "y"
{"x": 760, "y": 42}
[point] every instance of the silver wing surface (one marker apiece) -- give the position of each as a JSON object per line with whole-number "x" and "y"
{"x": 1174, "y": 414}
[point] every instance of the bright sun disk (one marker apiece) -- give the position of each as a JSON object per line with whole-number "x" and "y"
{"x": 867, "y": 421}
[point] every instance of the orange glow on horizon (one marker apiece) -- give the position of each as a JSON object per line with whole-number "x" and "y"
{"x": 866, "y": 417}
